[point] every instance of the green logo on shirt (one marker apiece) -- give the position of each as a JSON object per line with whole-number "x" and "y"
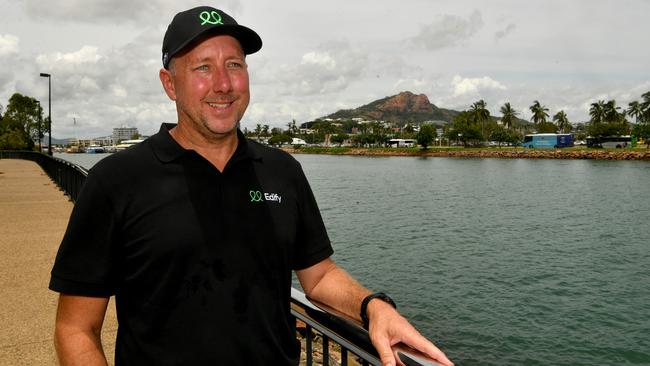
{"x": 256, "y": 196}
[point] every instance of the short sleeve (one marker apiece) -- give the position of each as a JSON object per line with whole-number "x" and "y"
{"x": 84, "y": 264}
{"x": 313, "y": 243}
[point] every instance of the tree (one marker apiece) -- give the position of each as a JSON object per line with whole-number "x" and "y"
{"x": 480, "y": 115}
{"x": 280, "y": 139}
{"x": 546, "y": 127}
{"x": 611, "y": 113}
{"x": 23, "y": 114}
{"x": 408, "y": 132}
{"x": 509, "y": 115}
{"x": 540, "y": 113}
{"x": 562, "y": 121}
{"x": 426, "y": 135}
{"x": 642, "y": 131}
{"x": 646, "y": 106}
{"x": 597, "y": 112}
{"x": 292, "y": 130}
{"x": 13, "y": 140}
{"x": 635, "y": 109}
{"x": 339, "y": 138}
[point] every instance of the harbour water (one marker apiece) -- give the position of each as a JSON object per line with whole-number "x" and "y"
{"x": 498, "y": 261}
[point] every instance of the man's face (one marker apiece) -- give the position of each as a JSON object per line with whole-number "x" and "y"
{"x": 210, "y": 86}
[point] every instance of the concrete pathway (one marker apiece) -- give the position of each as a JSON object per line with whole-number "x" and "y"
{"x": 33, "y": 217}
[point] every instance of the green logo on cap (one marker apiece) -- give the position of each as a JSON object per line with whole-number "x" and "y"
{"x": 210, "y": 17}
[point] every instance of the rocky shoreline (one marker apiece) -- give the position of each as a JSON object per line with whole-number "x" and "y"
{"x": 506, "y": 153}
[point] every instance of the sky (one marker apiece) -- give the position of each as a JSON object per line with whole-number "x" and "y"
{"x": 322, "y": 56}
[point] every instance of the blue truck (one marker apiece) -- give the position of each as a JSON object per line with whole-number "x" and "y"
{"x": 548, "y": 140}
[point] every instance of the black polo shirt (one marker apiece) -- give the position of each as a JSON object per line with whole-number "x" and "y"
{"x": 199, "y": 260}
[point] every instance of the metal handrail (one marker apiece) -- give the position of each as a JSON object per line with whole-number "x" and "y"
{"x": 329, "y": 323}
{"x": 68, "y": 176}
{"x": 347, "y": 332}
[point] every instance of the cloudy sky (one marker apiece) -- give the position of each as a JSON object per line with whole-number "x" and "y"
{"x": 321, "y": 56}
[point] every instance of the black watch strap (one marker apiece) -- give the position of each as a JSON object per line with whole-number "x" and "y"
{"x": 364, "y": 306}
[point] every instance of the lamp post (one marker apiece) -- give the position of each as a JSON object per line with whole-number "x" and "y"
{"x": 49, "y": 112}
{"x": 40, "y": 123}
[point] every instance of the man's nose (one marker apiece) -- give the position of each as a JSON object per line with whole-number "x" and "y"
{"x": 221, "y": 81}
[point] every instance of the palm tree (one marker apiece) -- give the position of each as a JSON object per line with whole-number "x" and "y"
{"x": 509, "y": 115}
{"x": 645, "y": 105}
{"x": 635, "y": 109}
{"x": 540, "y": 113}
{"x": 480, "y": 114}
{"x": 562, "y": 120}
{"x": 597, "y": 112}
{"x": 611, "y": 112}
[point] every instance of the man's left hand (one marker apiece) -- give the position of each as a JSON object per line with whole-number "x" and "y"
{"x": 387, "y": 328}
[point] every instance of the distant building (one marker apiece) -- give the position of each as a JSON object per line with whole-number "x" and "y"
{"x": 124, "y": 133}
{"x": 103, "y": 141}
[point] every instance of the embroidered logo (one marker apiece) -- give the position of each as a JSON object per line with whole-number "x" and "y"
{"x": 210, "y": 17}
{"x": 258, "y": 196}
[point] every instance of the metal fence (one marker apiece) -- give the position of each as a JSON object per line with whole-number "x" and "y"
{"x": 329, "y": 338}
{"x": 68, "y": 176}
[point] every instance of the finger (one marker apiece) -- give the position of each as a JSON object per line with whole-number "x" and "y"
{"x": 382, "y": 345}
{"x": 422, "y": 344}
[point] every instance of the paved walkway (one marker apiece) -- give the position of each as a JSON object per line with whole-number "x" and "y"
{"x": 33, "y": 217}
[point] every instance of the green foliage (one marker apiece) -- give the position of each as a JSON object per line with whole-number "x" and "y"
{"x": 509, "y": 115}
{"x": 642, "y": 131}
{"x": 21, "y": 122}
{"x": 607, "y": 129}
{"x": 546, "y": 127}
{"x": 540, "y": 112}
{"x": 14, "y": 140}
{"x": 314, "y": 138}
{"x": 280, "y": 139}
{"x": 339, "y": 138}
{"x": 426, "y": 135}
{"x": 562, "y": 121}
{"x": 502, "y": 135}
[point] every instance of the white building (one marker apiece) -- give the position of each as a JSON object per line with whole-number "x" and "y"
{"x": 124, "y": 133}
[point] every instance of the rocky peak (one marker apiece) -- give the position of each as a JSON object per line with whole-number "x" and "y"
{"x": 406, "y": 102}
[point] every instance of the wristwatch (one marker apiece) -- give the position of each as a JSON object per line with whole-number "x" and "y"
{"x": 364, "y": 306}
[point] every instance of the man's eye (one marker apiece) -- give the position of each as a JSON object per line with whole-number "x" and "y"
{"x": 202, "y": 68}
{"x": 235, "y": 65}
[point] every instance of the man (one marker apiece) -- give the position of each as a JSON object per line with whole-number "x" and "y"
{"x": 196, "y": 231}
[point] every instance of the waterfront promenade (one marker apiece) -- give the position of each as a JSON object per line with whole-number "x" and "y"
{"x": 33, "y": 217}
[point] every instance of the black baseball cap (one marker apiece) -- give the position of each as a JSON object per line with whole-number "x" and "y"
{"x": 188, "y": 25}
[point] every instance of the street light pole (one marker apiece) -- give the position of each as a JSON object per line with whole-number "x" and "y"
{"x": 49, "y": 112}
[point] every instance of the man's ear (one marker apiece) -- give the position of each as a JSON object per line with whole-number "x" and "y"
{"x": 167, "y": 80}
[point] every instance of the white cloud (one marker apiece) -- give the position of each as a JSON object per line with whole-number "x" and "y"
{"x": 8, "y": 44}
{"x": 473, "y": 86}
{"x": 116, "y": 11}
{"x": 447, "y": 31}
{"x": 87, "y": 54}
{"x": 87, "y": 84}
{"x": 331, "y": 68}
{"x": 319, "y": 58}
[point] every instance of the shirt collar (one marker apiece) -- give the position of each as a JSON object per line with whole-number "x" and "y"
{"x": 167, "y": 149}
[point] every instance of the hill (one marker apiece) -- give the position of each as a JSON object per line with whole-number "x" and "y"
{"x": 400, "y": 109}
